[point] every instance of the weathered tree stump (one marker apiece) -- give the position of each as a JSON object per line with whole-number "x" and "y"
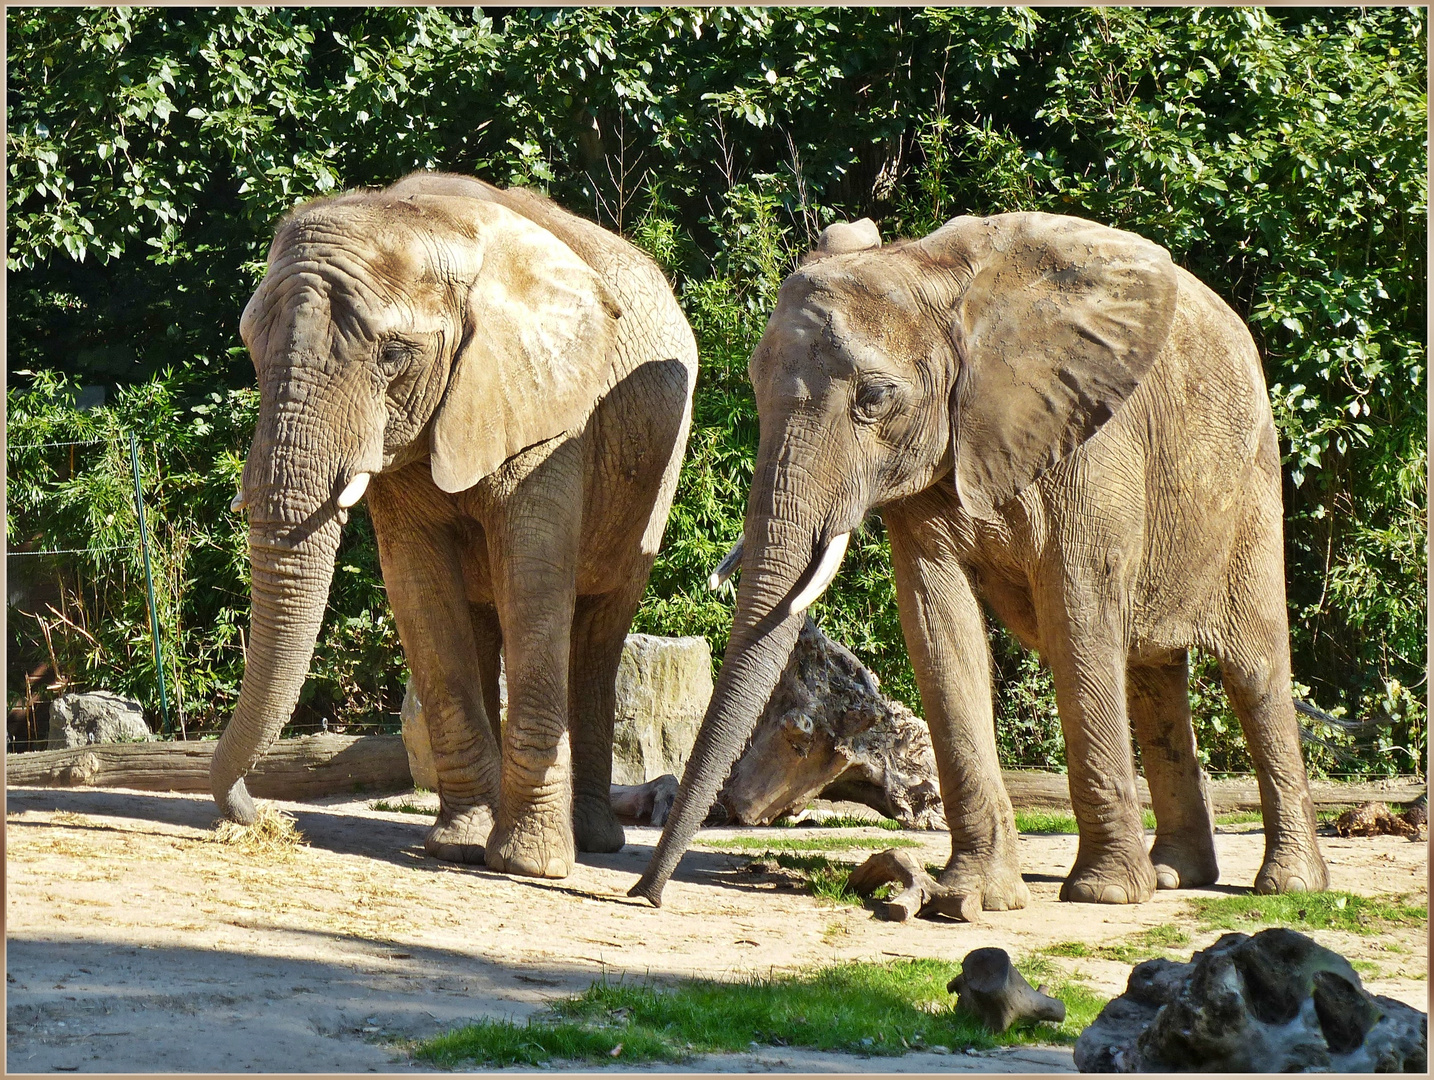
{"x": 921, "y": 895}
{"x": 992, "y": 990}
{"x": 828, "y": 731}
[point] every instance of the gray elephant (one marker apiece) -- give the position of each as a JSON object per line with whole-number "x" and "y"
{"x": 512, "y": 386}
{"x": 1056, "y": 420}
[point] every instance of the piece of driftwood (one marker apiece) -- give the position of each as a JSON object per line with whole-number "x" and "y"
{"x": 992, "y": 990}
{"x": 827, "y": 730}
{"x": 921, "y": 895}
{"x": 302, "y": 768}
{"x": 644, "y": 804}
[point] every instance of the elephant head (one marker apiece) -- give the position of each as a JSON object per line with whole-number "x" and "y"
{"x": 977, "y": 356}
{"x": 390, "y": 326}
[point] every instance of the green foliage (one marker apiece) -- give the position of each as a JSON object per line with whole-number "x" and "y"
{"x": 1317, "y": 911}
{"x": 1143, "y": 945}
{"x": 875, "y": 1009}
{"x": 1279, "y": 154}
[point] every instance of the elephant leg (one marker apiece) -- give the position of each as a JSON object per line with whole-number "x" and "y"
{"x": 600, "y": 626}
{"x": 488, "y": 635}
{"x": 1158, "y": 700}
{"x": 946, "y": 637}
{"x": 1255, "y": 668}
{"x": 533, "y": 545}
{"x": 424, "y": 581}
{"x": 1087, "y": 657}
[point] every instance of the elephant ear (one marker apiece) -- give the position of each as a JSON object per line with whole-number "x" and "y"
{"x": 537, "y": 350}
{"x": 1057, "y": 320}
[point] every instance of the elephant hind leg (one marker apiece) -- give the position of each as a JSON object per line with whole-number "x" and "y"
{"x": 1254, "y": 654}
{"x": 600, "y": 625}
{"x": 1158, "y": 699}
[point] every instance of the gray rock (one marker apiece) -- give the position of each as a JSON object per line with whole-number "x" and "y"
{"x": 663, "y": 685}
{"x": 96, "y": 717}
{"x": 1274, "y": 1002}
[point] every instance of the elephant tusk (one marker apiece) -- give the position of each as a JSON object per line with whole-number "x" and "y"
{"x": 826, "y": 569}
{"x": 353, "y": 492}
{"x": 726, "y": 566}
{"x": 238, "y": 503}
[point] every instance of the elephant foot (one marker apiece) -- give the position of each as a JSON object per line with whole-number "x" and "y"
{"x": 595, "y": 827}
{"x": 994, "y": 878}
{"x": 459, "y": 836}
{"x": 1184, "y": 860}
{"x": 1290, "y": 869}
{"x": 1116, "y": 873}
{"x": 533, "y": 848}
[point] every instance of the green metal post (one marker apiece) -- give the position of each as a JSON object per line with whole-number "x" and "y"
{"x": 148, "y": 580}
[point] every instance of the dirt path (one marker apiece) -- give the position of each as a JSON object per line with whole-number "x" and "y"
{"x": 136, "y": 943}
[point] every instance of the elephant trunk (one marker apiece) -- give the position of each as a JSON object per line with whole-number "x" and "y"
{"x": 781, "y": 554}
{"x": 289, "y": 593}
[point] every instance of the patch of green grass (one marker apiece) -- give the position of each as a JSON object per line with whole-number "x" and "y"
{"x": 812, "y": 843}
{"x": 1240, "y": 817}
{"x": 404, "y": 807}
{"x": 1318, "y": 911}
{"x": 843, "y": 822}
{"x": 1156, "y": 941}
{"x": 1049, "y": 821}
{"x": 499, "y": 1043}
{"x": 878, "y": 1009}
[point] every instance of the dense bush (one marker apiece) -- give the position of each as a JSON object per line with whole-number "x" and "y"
{"x": 1278, "y": 154}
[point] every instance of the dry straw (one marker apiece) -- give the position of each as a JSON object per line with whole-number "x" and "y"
{"x": 273, "y": 833}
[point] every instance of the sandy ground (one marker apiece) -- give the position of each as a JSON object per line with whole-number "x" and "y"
{"x": 137, "y": 944}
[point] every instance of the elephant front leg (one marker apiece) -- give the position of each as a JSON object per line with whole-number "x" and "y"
{"x": 533, "y": 544}
{"x": 1088, "y": 664}
{"x": 946, "y": 637}
{"x": 424, "y": 581}
{"x": 600, "y": 626}
{"x": 1158, "y": 699}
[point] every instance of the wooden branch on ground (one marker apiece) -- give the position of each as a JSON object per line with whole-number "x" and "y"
{"x": 302, "y": 768}
{"x": 921, "y": 894}
{"x": 1050, "y": 791}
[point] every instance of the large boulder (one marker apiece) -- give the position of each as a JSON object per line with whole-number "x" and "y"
{"x": 1274, "y": 1002}
{"x": 827, "y": 730}
{"x": 96, "y": 717}
{"x": 663, "y": 685}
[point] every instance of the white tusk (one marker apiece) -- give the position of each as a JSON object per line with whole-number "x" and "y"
{"x": 354, "y": 492}
{"x": 238, "y": 503}
{"x": 827, "y": 567}
{"x": 726, "y": 566}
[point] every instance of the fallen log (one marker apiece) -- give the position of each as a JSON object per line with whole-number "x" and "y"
{"x": 1050, "y": 791}
{"x": 302, "y": 768}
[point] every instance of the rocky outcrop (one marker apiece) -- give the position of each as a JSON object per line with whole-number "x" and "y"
{"x": 827, "y": 730}
{"x": 663, "y": 685}
{"x": 96, "y": 717}
{"x": 1274, "y": 1002}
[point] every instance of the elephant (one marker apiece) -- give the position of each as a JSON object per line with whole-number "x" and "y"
{"x": 1056, "y": 421}
{"x": 511, "y": 387}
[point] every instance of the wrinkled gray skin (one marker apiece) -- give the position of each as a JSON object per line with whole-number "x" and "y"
{"x": 517, "y": 383}
{"x": 1057, "y": 421}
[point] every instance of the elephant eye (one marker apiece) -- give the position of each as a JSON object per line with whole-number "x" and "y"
{"x": 874, "y": 399}
{"x": 393, "y": 355}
